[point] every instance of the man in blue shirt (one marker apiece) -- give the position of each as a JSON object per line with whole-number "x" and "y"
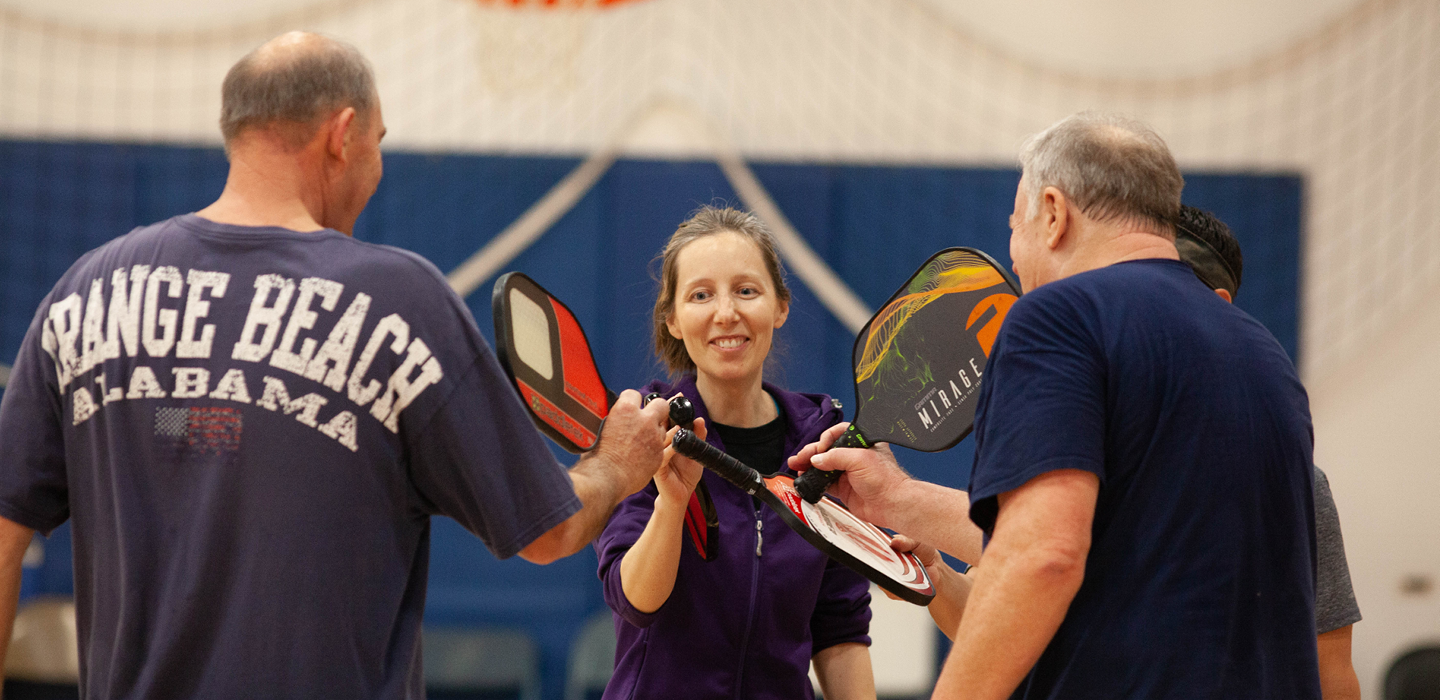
{"x": 1142, "y": 466}
{"x": 249, "y": 417}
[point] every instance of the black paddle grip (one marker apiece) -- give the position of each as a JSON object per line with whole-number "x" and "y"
{"x": 729, "y": 468}
{"x": 682, "y": 412}
{"x": 812, "y": 484}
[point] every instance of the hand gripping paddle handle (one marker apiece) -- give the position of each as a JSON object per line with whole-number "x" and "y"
{"x": 729, "y": 468}
{"x": 812, "y": 484}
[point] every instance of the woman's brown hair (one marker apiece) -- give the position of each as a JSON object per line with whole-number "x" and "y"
{"x": 706, "y": 221}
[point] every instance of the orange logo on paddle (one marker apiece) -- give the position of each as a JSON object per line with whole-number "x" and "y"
{"x": 986, "y": 335}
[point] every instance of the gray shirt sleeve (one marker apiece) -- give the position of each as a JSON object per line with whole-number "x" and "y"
{"x": 1335, "y": 605}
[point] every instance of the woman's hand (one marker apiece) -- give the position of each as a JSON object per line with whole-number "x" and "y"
{"x": 647, "y": 571}
{"x": 678, "y": 474}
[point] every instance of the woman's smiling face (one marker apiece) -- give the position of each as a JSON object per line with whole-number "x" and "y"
{"x": 726, "y": 307}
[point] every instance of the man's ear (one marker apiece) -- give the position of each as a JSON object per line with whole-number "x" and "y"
{"x": 1055, "y": 208}
{"x": 337, "y": 133}
{"x": 1225, "y": 294}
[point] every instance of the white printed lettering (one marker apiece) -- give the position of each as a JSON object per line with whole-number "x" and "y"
{"x": 974, "y": 368}
{"x": 93, "y": 348}
{"x": 362, "y": 393}
{"x": 232, "y": 387}
{"x": 342, "y": 429}
{"x": 277, "y": 398}
{"x": 84, "y": 405}
{"x": 924, "y": 418}
{"x": 943, "y": 398}
{"x": 964, "y": 378}
{"x": 65, "y": 328}
{"x": 123, "y": 323}
{"x": 196, "y": 308}
{"x": 263, "y": 315}
{"x": 190, "y": 382}
{"x": 401, "y": 389}
{"x": 144, "y": 385}
{"x": 111, "y": 395}
{"x": 48, "y": 342}
{"x": 334, "y": 355}
{"x": 955, "y": 389}
{"x": 157, "y": 317}
{"x": 302, "y": 318}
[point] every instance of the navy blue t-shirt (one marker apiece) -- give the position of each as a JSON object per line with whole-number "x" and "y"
{"x": 1200, "y": 576}
{"x": 250, "y": 429}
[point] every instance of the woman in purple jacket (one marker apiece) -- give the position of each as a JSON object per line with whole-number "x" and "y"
{"x": 747, "y": 624}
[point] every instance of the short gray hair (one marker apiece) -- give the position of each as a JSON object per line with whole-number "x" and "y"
{"x": 1114, "y": 168}
{"x": 295, "y": 79}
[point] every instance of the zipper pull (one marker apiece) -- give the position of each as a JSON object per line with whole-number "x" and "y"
{"x": 759, "y": 535}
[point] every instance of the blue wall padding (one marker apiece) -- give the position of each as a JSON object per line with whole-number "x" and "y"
{"x": 873, "y": 224}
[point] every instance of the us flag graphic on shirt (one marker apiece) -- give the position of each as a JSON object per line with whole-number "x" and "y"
{"x": 204, "y": 430}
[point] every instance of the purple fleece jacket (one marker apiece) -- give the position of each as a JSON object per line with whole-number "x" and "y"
{"x": 744, "y": 625}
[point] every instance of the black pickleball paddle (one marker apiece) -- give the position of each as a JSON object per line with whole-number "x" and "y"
{"x": 919, "y": 360}
{"x": 545, "y": 353}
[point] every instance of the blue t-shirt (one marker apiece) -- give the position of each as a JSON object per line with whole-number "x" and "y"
{"x": 1200, "y": 577}
{"x": 250, "y": 429}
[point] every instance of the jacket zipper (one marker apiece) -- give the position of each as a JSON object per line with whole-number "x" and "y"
{"x": 754, "y": 590}
{"x": 759, "y": 536}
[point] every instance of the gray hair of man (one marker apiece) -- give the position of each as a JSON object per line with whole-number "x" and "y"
{"x": 292, "y": 83}
{"x": 1112, "y": 167}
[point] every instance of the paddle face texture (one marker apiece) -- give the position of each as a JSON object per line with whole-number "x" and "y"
{"x": 827, "y": 525}
{"x": 546, "y": 354}
{"x": 919, "y": 360}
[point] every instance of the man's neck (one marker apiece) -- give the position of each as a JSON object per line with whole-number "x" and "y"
{"x": 265, "y": 188}
{"x": 1117, "y": 246}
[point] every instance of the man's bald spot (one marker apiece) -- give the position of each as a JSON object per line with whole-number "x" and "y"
{"x": 284, "y": 48}
{"x": 291, "y": 83}
{"x": 1112, "y": 167}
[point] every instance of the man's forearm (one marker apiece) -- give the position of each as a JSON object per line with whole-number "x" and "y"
{"x": 14, "y": 539}
{"x": 936, "y": 515}
{"x": 1337, "y": 672}
{"x": 1012, "y": 612}
{"x": 628, "y": 453}
{"x": 1030, "y": 573}
{"x": 600, "y": 491}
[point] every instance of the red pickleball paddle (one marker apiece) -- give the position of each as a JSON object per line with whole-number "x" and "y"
{"x": 545, "y": 353}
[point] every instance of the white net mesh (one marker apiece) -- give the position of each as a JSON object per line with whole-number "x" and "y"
{"x": 893, "y": 80}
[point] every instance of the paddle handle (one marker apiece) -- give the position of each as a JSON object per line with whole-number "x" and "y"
{"x": 812, "y": 484}
{"x": 729, "y": 468}
{"x": 682, "y": 412}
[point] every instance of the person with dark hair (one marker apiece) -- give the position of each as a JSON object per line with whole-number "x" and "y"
{"x": 1142, "y": 458}
{"x": 748, "y": 623}
{"x": 249, "y": 417}
{"x": 1207, "y": 246}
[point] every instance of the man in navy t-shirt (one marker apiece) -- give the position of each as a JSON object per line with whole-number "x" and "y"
{"x": 1142, "y": 460}
{"x": 249, "y": 417}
